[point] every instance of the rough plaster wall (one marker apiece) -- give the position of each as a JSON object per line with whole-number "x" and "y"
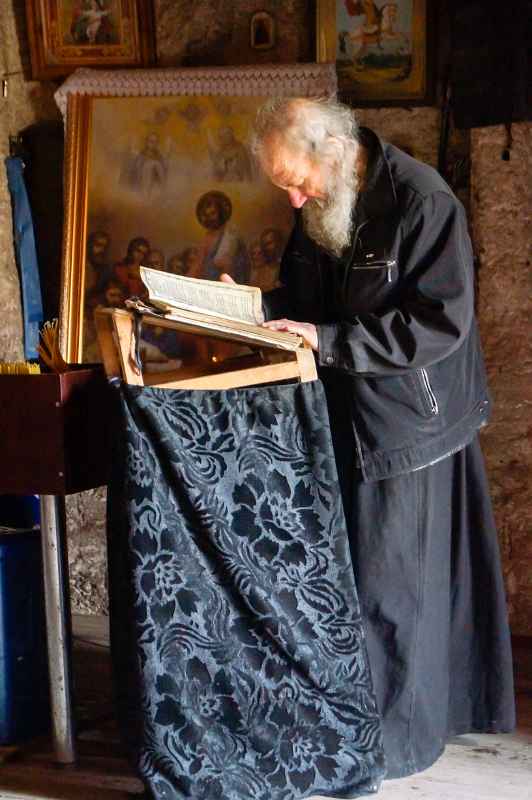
{"x": 25, "y": 103}
{"x": 19, "y": 108}
{"x": 87, "y": 551}
{"x": 415, "y": 130}
{"x": 216, "y": 32}
{"x": 501, "y": 204}
{"x": 499, "y": 192}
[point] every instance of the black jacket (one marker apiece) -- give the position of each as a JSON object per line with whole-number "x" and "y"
{"x": 395, "y": 316}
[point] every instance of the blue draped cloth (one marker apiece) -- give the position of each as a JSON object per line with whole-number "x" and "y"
{"x": 26, "y": 256}
{"x": 237, "y": 642}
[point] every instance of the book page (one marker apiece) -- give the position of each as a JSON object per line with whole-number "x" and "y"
{"x": 236, "y": 302}
{"x": 244, "y": 332}
{"x": 220, "y": 327}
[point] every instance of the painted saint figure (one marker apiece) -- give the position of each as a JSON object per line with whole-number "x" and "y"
{"x": 91, "y": 22}
{"x": 147, "y": 171}
{"x": 127, "y": 272}
{"x": 266, "y": 258}
{"x": 223, "y": 248}
{"x": 374, "y": 27}
{"x": 230, "y": 159}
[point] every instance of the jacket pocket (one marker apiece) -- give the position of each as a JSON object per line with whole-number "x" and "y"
{"x": 378, "y": 264}
{"x": 430, "y": 401}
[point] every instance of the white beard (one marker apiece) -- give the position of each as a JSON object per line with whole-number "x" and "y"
{"x": 329, "y": 222}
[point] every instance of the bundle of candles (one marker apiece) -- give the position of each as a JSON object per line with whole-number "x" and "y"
{"x": 19, "y": 368}
{"x": 49, "y": 348}
{"x": 49, "y": 354}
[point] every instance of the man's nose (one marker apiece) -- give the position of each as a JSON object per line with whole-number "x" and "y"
{"x": 297, "y": 198}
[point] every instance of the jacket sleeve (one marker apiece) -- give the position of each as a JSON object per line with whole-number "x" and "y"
{"x": 434, "y": 302}
{"x": 299, "y": 295}
{"x": 276, "y": 303}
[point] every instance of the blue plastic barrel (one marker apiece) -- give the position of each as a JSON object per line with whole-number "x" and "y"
{"x": 20, "y": 511}
{"x": 24, "y": 694}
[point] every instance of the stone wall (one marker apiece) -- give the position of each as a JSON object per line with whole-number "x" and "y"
{"x": 25, "y": 103}
{"x": 501, "y": 202}
{"x": 499, "y": 194}
{"x": 217, "y": 32}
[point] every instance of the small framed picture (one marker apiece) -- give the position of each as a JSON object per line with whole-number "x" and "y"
{"x": 383, "y": 49}
{"x": 262, "y": 31}
{"x": 67, "y": 34}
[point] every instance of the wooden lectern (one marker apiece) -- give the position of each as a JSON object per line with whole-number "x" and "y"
{"x": 116, "y": 337}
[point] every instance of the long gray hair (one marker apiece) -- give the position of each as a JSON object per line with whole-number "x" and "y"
{"x": 315, "y": 126}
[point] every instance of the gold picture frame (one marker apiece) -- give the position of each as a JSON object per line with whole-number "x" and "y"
{"x": 382, "y": 49}
{"x": 152, "y": 157}
{"x": 67, "y": 34}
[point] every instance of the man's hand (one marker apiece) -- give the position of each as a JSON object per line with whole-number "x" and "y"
{"x": 306, "y": 330}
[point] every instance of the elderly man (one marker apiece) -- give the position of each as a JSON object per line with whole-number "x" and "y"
{"x": 378, "y": 278}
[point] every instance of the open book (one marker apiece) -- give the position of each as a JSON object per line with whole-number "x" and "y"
{"x": 223, "y": 310}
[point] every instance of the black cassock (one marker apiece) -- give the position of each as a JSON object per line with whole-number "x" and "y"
{"x": 427, "y": 567}
{"x": 238, "y": 646}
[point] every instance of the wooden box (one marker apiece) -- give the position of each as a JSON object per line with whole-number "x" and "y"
{"x": 54, "y": 431}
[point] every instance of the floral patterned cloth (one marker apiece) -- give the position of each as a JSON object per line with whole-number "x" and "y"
{"x": 238, "y": 647}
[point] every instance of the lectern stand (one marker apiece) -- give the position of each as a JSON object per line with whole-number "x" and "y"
{"x": 116, "y": 336}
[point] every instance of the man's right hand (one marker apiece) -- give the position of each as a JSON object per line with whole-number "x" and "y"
{"x": 226, "y": 278}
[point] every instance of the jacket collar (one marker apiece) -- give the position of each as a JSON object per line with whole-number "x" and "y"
{"x": 378, "y": 198}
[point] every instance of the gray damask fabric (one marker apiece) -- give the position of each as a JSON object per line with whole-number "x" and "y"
{"x": 238, "y": 647}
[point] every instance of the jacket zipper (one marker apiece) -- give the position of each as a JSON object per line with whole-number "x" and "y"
{"x": 351, "y": 254}
{"x": 451, "y": 452}
{"x": 429, "y": 391}
{"x": 362, "y": 225}
{"x": 377, "y": 265}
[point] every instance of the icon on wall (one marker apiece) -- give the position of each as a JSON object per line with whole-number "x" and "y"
{"x": 66, "y": 34}
{"x": 262, "y": 31}
{"x": 383, "y": 49}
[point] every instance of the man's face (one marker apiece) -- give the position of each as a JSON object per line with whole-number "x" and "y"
{"x": 152, "y": 143}
{"x": 271, "y": 246}
{"x": 226, "y": 136}
{"x": 294, "y": 172}
{"x": 98, "y": 249}
{"x": 155, "y": 259}
{"x": 175, "y": 265}
{"x": 139, "y": 254}
{"x": 257, "y": 256}
{"x": 114, "y": 297}
{"x": 325, "y": 191}
{"x": 192, "y": 261}
{"x": 210, "y": 216}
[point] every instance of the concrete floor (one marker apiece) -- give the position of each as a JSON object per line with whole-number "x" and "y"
{"x": 476, "y": 767}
